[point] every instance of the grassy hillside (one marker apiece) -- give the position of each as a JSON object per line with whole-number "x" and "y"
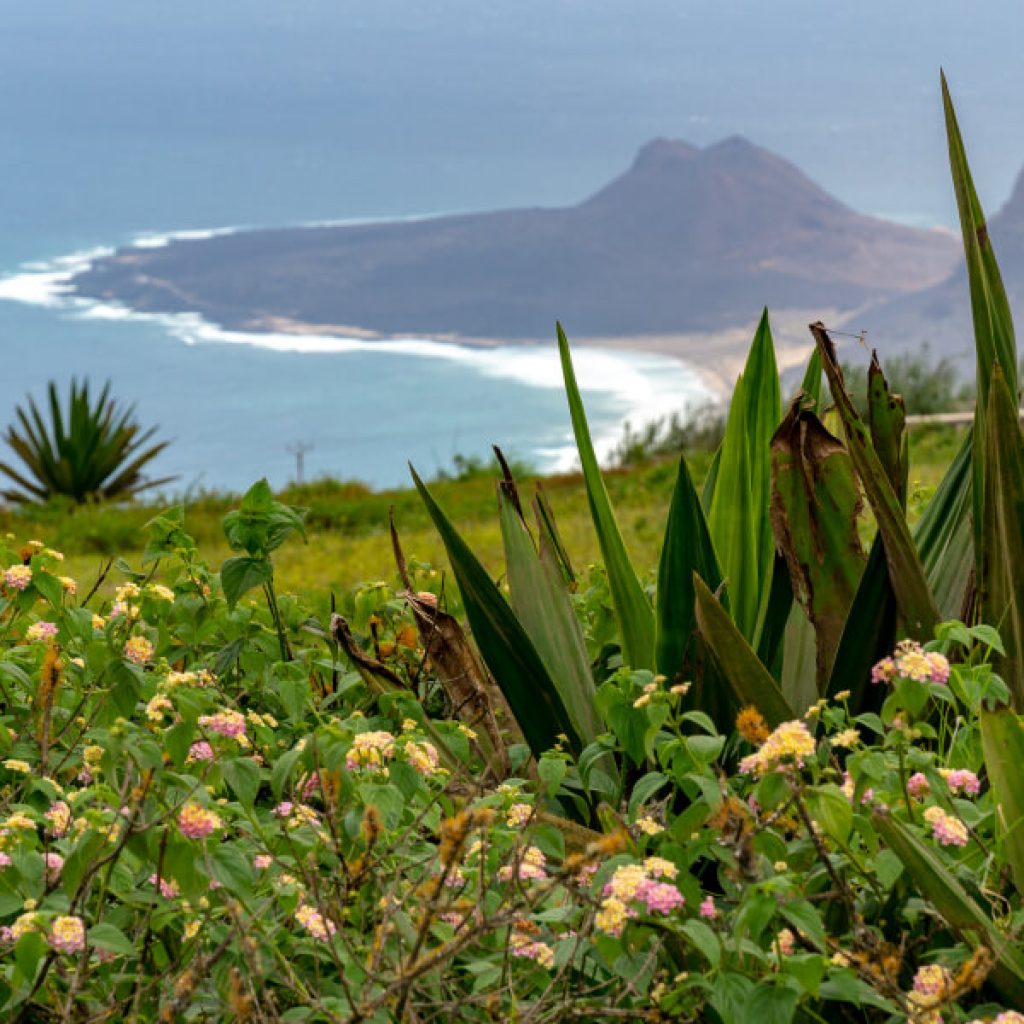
{"x": 348, "y": 522}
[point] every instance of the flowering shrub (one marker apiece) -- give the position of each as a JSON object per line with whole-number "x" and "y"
{"x": 208, "y": 813}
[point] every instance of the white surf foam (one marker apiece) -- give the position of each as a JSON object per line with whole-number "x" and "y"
{"x": 48, "y": 283}
{"x": 641, "y": 386}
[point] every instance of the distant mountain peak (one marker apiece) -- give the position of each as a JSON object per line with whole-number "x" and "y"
{"x": 660, "y": 153}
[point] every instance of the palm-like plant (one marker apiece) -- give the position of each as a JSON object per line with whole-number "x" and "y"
{"x": 95, "y": 449}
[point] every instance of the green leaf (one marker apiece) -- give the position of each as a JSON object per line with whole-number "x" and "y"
{"x": 943, "y": 890}
{"x": 815, "y": 505}
{"x": 704, "y": 940}
{"x": 1002, "y": 744}
{"x": 282, "y": 771}
{"x": 544, "y": 609}
{"x": 686, "y": 550}
{"x": 811, "y": 383}
{"x": 503, "y": 643}
{"x": 771, "y": 1004}
{"x": 990, "y": 310}
{"x": 806, "y": 920}
{"x": 112, "y": 939}
{"x": 260, "y": 524}
{"x": 241, "y": 574}
{"x": 242, "y": 774}
{"x": 887, "y": 419}
{"x": 551, "y": 771}
{"x": 832, "y": 811}
{"x": 633, "y": 610}
{"x": 738, "y": 518}
{"x": 905, "y": 570}
{"x": 29, "y": 950}
{"x": 232, "y": 868}
{"x": 749, "y": 681}
{"x": 994, "y": 340}
{"x": 1001, "y": 582}
{"x": 944, "y": 535}
{"x": 869, "y": 634}
{"x": 79, "y": 860}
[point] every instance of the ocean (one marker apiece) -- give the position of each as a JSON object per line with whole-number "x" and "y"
{"x": 236, "y": 405}
{"x": 124, "y": 121}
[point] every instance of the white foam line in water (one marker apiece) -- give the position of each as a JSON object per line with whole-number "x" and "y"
{"x": 644, "y": 386}
{"x": 48, "y": 284}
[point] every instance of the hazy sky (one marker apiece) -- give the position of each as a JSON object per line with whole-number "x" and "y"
{"x": 272, "y": 111}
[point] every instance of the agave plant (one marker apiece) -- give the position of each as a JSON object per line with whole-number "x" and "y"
{"x": 764, "y": 594}
{"x": 94, "y": 449}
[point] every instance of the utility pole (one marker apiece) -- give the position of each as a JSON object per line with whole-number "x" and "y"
{"x": 299, "y": 450}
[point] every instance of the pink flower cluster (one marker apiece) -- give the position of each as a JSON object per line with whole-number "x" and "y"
{"x": 314, "y": 922}
{"x": 54, "y": 864}
{"x": 947, "y": 830}
{"x": 41, "y": 631}
{"x": 918, "y": 785}
{"x": 636, "y": 887}
{"x": 67, "y": 934}
{"x": 168, "y": 888}
{"x": 531, "y": 866}
{"x": 961, "y": 780}
{"x": 18, "y": 577}
{"x": 370, "y": 750}
{"x": 199, "y": 751}
{"x": 225, "y": 723}
{"x": 196, "y": 822}
{"x": 525, "y": 945}
{"x": 911, "y": 661}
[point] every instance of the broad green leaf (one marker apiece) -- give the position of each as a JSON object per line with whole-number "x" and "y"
{"x": 242, "y": 774}
{"x": 1002, "y": 743}
{"x": 946, "y": 549}
{"x": 869, "y": 634}
{"x": 905, "y": 570}
{"x": 811, "y": 383}
{"x": 738, "y": 518}
{"x": 993, "y": 322}
{"x": 944, "y": 537}
{"x": 749, "y": 681}
{"x": 240, "y": 574}
{"x": 686, "y": 550}
{"x": 731, "y": 518}
{"x": 798, "y": 681}
{"x": 504, "y": 645}
{"x": 815, "y": 506}
{"x": 943, "y": 890}
{"x": 990, "y": 311}
{"x": 770, "y": 650}
{"x": 704, "y": 939}
{"x": 771, "y": 1004}
{"x": 632, "y": 608}
{"x": 113, "y": 940}
{"x": 1001, "y": 582}
{"x": 260, "y": 524}
{"x": 831, "y": 810}
{"x": 887, "y": 419}
{"x": 544, "y": 609}
{"x": 550, "y": 537}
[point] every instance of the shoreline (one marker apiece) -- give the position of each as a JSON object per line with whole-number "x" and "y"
{"x": 717, "y": 357}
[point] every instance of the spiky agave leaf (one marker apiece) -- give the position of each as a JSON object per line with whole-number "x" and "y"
{"x": 90, "y": 449}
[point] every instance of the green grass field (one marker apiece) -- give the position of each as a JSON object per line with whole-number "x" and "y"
{"x": 348, "y": 523}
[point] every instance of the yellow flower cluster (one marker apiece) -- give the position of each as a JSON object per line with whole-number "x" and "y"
{"x": 160, "y": 592}
{"x": 789, "y": 743}
{"x": 158, "y": 707}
